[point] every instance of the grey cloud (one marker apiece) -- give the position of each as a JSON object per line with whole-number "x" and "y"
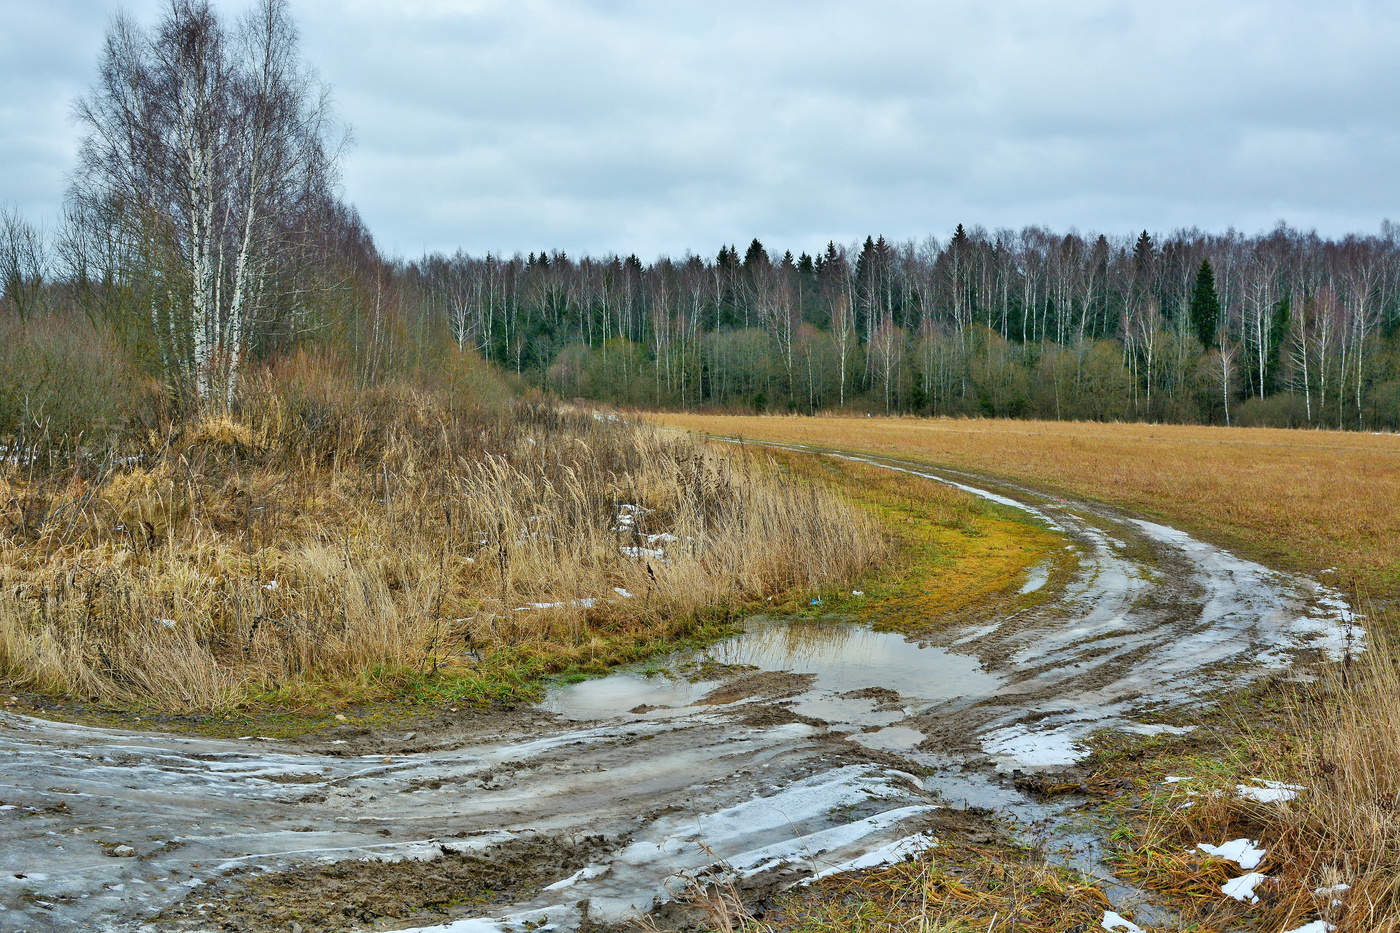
{"x": 663, "y": 128}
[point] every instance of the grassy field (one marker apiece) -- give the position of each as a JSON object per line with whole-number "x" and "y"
{"x": 1313, "y": 501}
{"x": 957, "y": 558}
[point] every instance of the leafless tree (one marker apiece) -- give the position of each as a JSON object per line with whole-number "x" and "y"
{"x": 204, "y": 145}
{"x": 23, "y": 264}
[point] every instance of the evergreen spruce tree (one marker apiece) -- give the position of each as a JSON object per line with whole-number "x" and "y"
{"x": 756, "y": 255}
{"x": 865, "y": 262}
{"x": 1142, "y": 254}
{"x": 1278, "y": 335}
{"x": 1205, "y": 305}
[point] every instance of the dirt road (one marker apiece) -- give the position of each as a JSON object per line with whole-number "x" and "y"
{"x": 790, "y": 751}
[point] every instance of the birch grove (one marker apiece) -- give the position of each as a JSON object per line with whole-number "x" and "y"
{"x": 206, "y": 146}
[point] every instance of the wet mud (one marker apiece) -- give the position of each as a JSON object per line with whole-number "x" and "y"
{"x": 431, "y": 889}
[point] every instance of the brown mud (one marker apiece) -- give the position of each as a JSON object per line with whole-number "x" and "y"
{"x": 359, "y": 892}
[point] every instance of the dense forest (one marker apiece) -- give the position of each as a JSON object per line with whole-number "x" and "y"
{"x": 1285, "y": 328}
{"x": 205, "y": 233}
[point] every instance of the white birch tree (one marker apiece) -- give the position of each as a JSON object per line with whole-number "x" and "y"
{"x": 212, "y": 142}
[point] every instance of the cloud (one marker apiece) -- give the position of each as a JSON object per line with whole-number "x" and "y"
{"x": 658, "y": 128}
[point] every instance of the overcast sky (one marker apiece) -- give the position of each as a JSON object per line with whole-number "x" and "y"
{"x": 661, "y": 127}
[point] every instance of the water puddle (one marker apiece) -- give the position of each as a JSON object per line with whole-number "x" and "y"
{"x": 1036, "y": 579}
{"x": 856, "y": 678}
{"x": 844, "y": 657}
{"x": 890, "y": 738}
{"x": 625, "y": 693}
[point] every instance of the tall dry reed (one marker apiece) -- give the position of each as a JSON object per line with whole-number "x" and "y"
{"x": 322, "y": 535}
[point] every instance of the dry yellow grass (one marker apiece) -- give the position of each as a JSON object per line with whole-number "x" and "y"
{"x": 1300, "y": 500}
{"x": 1345, "y": 826}
{"x": 329, "y": 544}
{"x": 953, "y": 887}
{"x": 960, "y": 557}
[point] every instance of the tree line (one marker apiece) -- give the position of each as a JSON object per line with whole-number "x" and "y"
{"x": 203, "y": 232}
{"x": 1283, "y": 328}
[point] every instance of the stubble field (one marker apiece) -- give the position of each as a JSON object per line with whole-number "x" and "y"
{"x": 1325, "y": 503}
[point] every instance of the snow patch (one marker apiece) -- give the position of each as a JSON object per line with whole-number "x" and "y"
{"x": 1242, "y": 888}
{"x": 627, "y": 516}
{"x": 1243, "y": 852}
{"x": 1155, "y": 728}
{"x": 1269, "y": 792}
{"x": 896, "y": 851}
{"x": 586, "y": 603}
{"x": 1117, "y": 923}
{"x": 475, "y": 925}
{"x": 586, "y": 873}
{"x": 1035, "y": 749}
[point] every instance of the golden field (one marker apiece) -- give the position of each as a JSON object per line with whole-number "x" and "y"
{"x": 1310, "y": 501}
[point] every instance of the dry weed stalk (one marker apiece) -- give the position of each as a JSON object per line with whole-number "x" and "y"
{"x": 1344, "y": 828}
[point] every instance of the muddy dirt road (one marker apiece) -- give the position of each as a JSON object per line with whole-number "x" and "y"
{"x": 790, "y": 751}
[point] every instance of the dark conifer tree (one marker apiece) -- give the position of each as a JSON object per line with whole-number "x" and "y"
{"x": 1205, "y": 305}
{"x": 1143, "y": 254}
{"x": 1278, "y": 335}
{"x": 756, "y": 255}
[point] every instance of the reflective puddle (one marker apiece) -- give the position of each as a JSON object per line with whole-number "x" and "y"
{"x": 845, "y": 657}
{"x": 1037, "y": 578}
{"x": 625, "y": 693}
{"x": 858, "y": 678}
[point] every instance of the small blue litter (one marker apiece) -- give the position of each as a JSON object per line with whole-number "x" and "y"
{"x": 816, "y": 600}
